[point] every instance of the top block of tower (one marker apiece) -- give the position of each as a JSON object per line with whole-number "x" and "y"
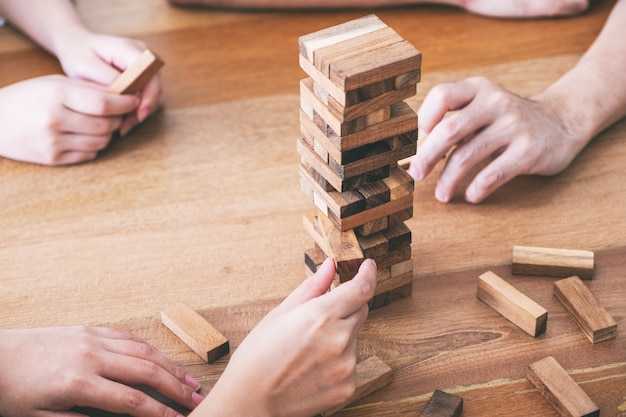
{"x": 358, "y": 53}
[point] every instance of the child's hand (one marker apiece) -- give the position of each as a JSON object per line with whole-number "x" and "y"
{"x": 48, "y": 371}
{"x": 54, "y": 120}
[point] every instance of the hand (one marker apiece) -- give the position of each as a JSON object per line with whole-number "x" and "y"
{"x": 53, "y": 120}
{"x": 525, "y": 8}
{"x": 522, "y": 136}
{"x": 301, "y": 358}
{"x": 101, "y": 59}
{"x": 48, "y": 371}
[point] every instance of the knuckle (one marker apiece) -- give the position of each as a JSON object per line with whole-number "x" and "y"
{"x": 134, "y": 399}
{"x": 149, "y": 370}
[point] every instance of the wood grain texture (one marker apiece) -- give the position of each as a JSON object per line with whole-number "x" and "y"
{"x": 136, "y": 76}
{"x": 552, "y": 262}
{"x": 442, "y": 404}
{"x": 372, "y": 374}
{"x": 512, "y": 304}
{"x": 195, "y": 332}
{"x": 560, "y": 390}
{"x": 592, "y": 318}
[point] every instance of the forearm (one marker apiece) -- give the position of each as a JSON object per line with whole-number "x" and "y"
{"x": 50, "y": 23}
{"x": 592, "y": 95}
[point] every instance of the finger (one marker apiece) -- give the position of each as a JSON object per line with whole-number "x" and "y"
{"x": 312, "y": 287}
{"x": 500, "y": 171}
{"x": 466, "y": 156}
{"x": 133, "y": 371}
{"x": 71, "y": 157}
{"x": 351, "y": 296}
{"x": 444, "y": 134}
{"x": 88, "y": 99}
{"x": 128, "y": 123}
{"x": 114, "y": 397}
{"x": 150, "y": 98}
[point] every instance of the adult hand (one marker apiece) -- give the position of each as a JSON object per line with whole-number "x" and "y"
{"x": 522, "y": 136}
{"x": 53, "y": 120}
{"x": 46, "y": 372}
{"x": 301, "y": 358}
{"x": 101, "y": 59}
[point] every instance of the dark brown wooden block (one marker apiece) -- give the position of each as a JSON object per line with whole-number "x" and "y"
{"x": 592, "y": 318}
{"x": 442, "y": 404}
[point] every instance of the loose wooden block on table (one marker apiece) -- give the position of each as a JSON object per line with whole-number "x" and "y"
{"x": 195, "y": 332}
{"x": 512, "y": 304}
{"x": 560, "y": 390}
{"x": 372, "y": 374}
{"x": 552, "y": 262}
{"x": 442, "y": 404}
{"x": 135, "y": 77}
{"x": 593, "y": 319}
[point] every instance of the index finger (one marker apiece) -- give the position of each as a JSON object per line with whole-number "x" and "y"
{"x": 349, "y": 297}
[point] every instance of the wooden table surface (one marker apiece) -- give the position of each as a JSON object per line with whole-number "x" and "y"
{"x": 202, "y": 204}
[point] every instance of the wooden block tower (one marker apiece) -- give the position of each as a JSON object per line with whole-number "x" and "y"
{"x": 355, "y": 127}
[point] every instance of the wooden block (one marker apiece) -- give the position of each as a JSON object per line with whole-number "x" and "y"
{"x": 135, "y": 77}
{"x": 369, "y": 106}
{"x": 442, "y": 404}
{"x": 512, "y": 304}
{"x": 397, "y": 234}
{"x": 386, "y": 298}
{"x": 560, "y": 390}
{"x": 373, "y": 245}
{"x": 342, "y": 204}
{"x": 400, "y": 275}
{"x": 584, "y": 307}
{"x": 375, "y": 193}
{"x": 342, "y": 247}
{"x": 373, "y": 226}
{"x": 400, "y": 183}
{"x": 372, "y": 374}
{"x": 195, "y": 332}
{"x": 309, "y": 43}
{"x": 367, "y": 216}
{"x": 551, "y": 262}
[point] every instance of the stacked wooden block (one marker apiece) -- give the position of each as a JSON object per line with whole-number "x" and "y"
{"x": 355, "y": 127}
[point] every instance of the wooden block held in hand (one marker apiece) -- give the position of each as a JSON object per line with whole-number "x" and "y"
{"x": 195, "y": 332}
{"x": 560, "y": 390}
{"x": 584, "y": 307}
{"x": 512, "y": 304}
{"x": 550, "y": 262}
{"x": 372, "y": 374}
{"x": 135, "y": 77}
{"x": 442, "y": 404}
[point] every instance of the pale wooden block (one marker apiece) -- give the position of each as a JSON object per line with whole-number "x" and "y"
{"x": 442, "y": 404}
{"x": 320, "y": 92}
{"x": 512, "y": 304}
{"x": 338, "y": 33}
{"x": 560, "y": 390}
{"x": 402, "y": 268}
{"x": 372, "y": 374}
{"x": 320, "y": 204}
{"x": 135, "y": 77}
{"x": 324, "y": 82}
{"x": 319, "y": 149}
{"x": 584, "y": 307}
{"x": 552, "y": 262}
{"x": 195, "y": 332}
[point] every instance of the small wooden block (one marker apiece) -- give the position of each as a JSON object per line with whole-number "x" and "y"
{"x": 560, "y": 390}
{"x": 135, "y": 77}
{"x": 550, "y": 262}
{"x": 195, "y": 332}
{"x": 584, "y": 307}
{"x": 512, "y": 304}
{"x": 442, "y": 404}
{"x": 372, "y": 374}
{"x": 337, "y": 34}
{"x": 388, "y": 297}
{"x": 375, "y": 226}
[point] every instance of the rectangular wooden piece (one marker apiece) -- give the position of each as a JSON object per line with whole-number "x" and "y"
{"x": 512, "y": 304}
{"x": 442, "y": 404}
{"x": 560, "y": 390}
{"x": 372, "y": 374}
{"x": 136, "y": 76}
{"x": 195, "y": 332}
{"x": 592, "y": 318}
{"x": 552, "y": 262}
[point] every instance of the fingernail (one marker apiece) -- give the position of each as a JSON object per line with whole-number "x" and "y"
{"x": 192, "y": 382}
{"x": 196, "y": 398}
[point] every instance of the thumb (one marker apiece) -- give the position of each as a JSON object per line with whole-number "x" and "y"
{"x": 312, "y": 287}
